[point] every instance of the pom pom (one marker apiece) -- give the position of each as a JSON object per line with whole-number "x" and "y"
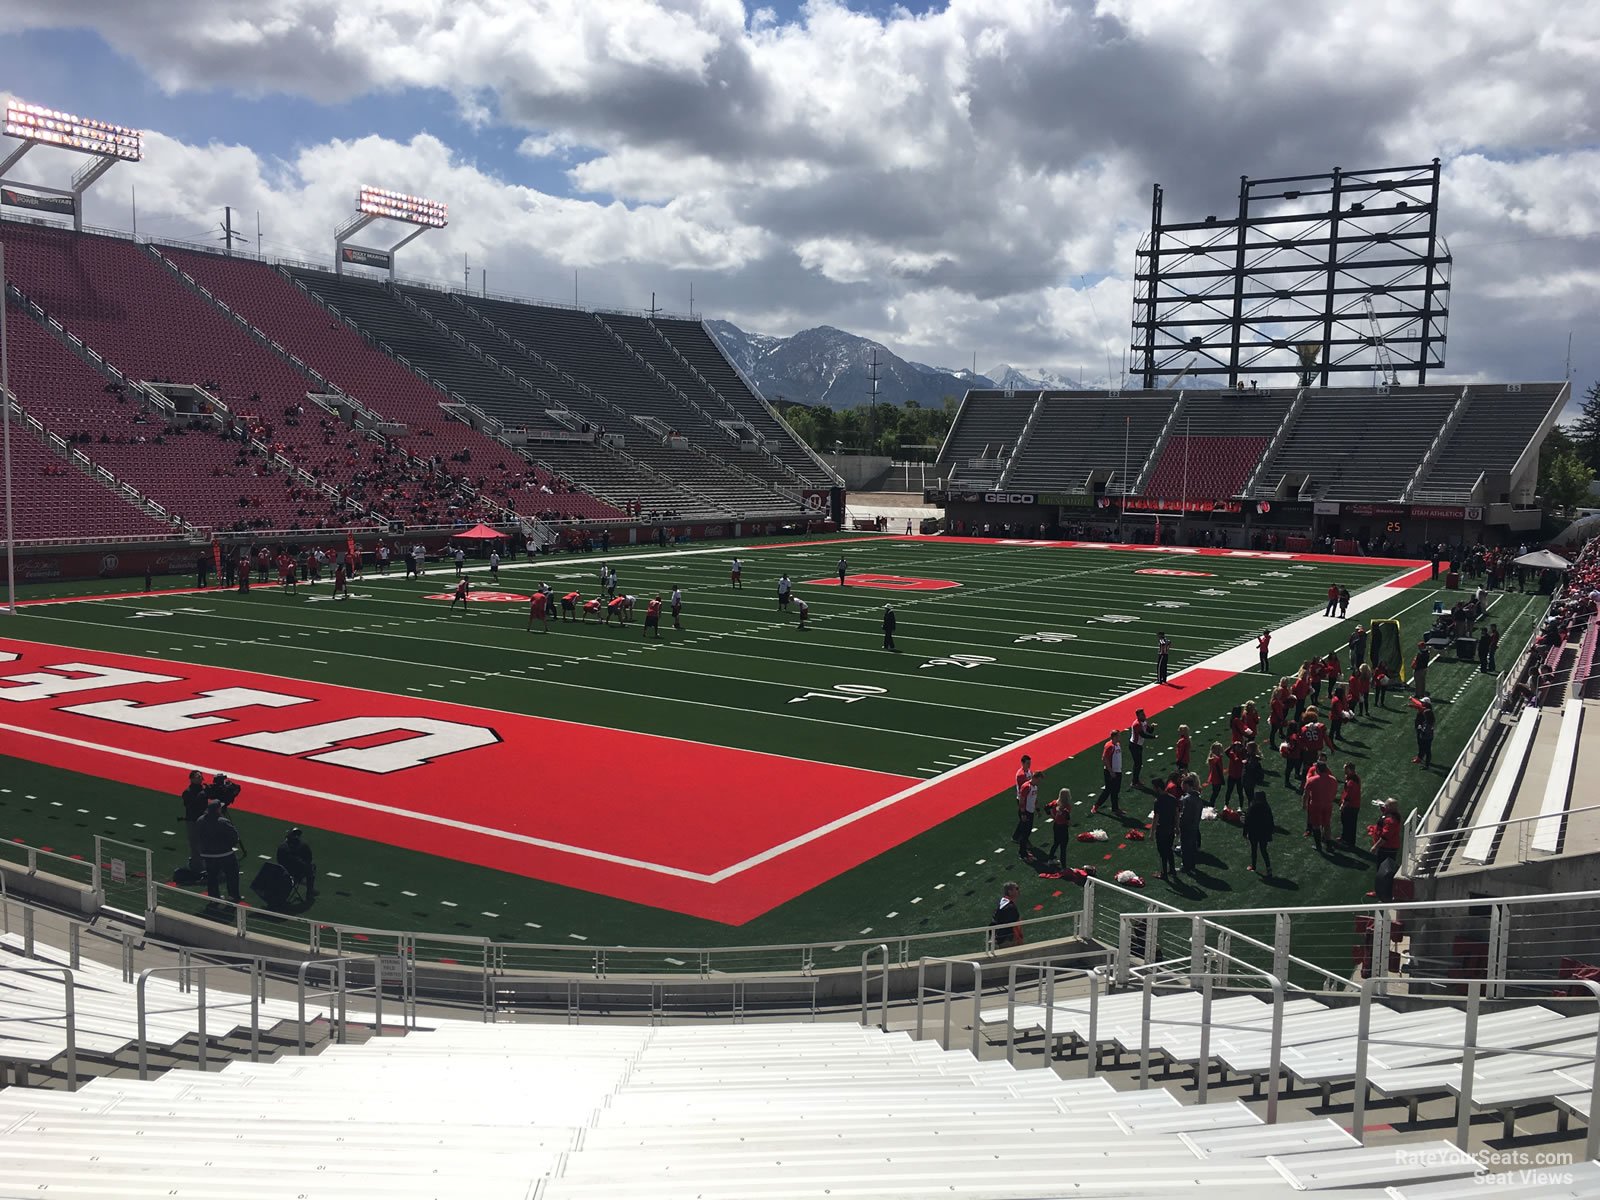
{"x": 1208, "y": 813}
{"x": 1136, "y": 835}
{"x": 1231, "y": 815}
{"x": 1093, "y": 835}
{"x": 1129, "y": 879}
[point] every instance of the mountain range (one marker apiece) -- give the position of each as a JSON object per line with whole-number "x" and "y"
{"x": 830, "y": 367}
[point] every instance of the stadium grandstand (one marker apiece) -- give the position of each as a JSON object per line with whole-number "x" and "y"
{"x": 301, "y": 400}
{"x": 711, "y": 910}
{"x": 1431, "y": 462}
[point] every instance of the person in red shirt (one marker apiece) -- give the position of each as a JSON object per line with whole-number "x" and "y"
{"x": 1318, "y": 796}
{"x": 463, "y": 586}
{"x": 652, "y": 617}
{"x": 539, "y": 610}
{"x": 1349, "y": 804}
{"x": 1333, "y": 600}
{"x": 1313, "y": 737}
{"x": 617, "y": 607}
{"x": 340, "y": 591}
{"x": 1180, "y": 752}
{"x": 1214, "y": 772}
{"x": 1291, "y": 748}
{"x": 1263, "y": 647}
{"x": 591, "y": 606}
{"x": 1278, "y": 712}
{"x": 1386, "y": 849}
{"x": 1111, "y": 772}
{"x": 1338, "y": 714}
{"x": 1024, "y": 773}
{"x": 569, "y": 606}
{"x": 1236, "y": 724}
{"x": 1236, "y": 757}
{"x": 1356, "y": 689}
{"x": 1252, "y": 720}
{"x": 1380, "y": 683}
{"x": 290, "y": 575}
{"x": 1300, "y": 690}
{"x": 1331, "y": 671}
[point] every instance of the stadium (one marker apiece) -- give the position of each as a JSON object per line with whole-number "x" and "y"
{"x": 458, "y": 744}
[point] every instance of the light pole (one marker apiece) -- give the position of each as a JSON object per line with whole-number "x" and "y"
{"x": 5, "y": 445}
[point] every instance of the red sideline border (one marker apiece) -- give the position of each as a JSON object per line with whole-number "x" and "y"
{"x": 861, "y": 823}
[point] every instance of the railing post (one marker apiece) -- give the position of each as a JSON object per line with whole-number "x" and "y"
{"x": 1202, "y": 1066}
{"x": 1144, "y": 1031}
{"x": 922, "y": 965}
{"x": 139, "y": 1026}
{"x": 1049, "y": 1014}
{"x": 1124, "y": 948}
{"x": 200, "y": 1024}
{"x": 1280, "y": 946}
{"x": 1275, "y": 1058}
{"x": 1197, "y": 947}
{"x": 27, "y": 931}
{"x": 1086, "y": 921}
{"x": 1358, "y": 1112}
{"x": 949, "y": 1001}
{"x": 977, "y": 1003}
{"x": 74, "y": 944}
{"x": 257, "y": 972}
{"x": 1469, "y": 1057}
{"x": 1094, "y": 1024}
{"x": 1500, "y": 929}
{"x": 1011, "y": 1014}
{"x": 1378, "y": 967}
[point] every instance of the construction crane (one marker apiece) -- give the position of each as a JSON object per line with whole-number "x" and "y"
{"x": 1176, "y": 379}
{"x": 1386, "y": 370}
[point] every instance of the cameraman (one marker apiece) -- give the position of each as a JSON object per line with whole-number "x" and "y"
{"x": 294, "y": 856}
{"x": 220, "y": 847}
{"x": 195, "y": 798}
{"x": 222, "y": 790}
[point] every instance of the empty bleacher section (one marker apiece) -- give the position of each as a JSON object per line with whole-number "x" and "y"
{"x": 1215, "y": 444}
{"x": 1497, "y": 425}
{"x": 1350, "y": 445}
{"x": 1079, "y": 439}
{"x": 195, "y": 474}
{"x": 625, "y": 398}
{"x": 704, "y": 357}
{"x": 984, "y": 437}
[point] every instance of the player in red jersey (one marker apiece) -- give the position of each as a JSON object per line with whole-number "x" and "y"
{"x": 290, "y": 576}
{"x": 340, "y": 590}
{"x": 617, "y": 607}
{"x": 652, "y": 616}
{"x": 569, "y": 606}
{"x": 1263, "y": 647}
{"x": 539, "y": 610}
{"x": 591, "y": 606}
{"x": 463, "y": 586}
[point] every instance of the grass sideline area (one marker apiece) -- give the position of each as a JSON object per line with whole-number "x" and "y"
{"x": 1033, "y": 637}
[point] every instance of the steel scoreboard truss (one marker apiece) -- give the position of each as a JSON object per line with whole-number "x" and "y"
{"x": 36, "y": 127}
{"x": 1315, "y": 276}
{"x": 380, "y": 204}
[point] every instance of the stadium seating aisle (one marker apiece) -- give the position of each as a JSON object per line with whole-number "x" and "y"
{"x": 280, "y": 310}
{"x": 1488, "y": 438}
{"x": 987, "y": 427}
{"x": 1077, "y": 434}
{"x": 758, "y": 1110}
{"x": 195, "y": 474}
{"x": 1216, "y": 443}
{"x": 697, "y": 346}
{"x": 1355, "y": 447}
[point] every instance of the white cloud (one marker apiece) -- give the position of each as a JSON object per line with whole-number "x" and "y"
{"x": 941, "y": 180}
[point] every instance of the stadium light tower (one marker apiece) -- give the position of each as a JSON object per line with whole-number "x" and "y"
{"x": 379, "y": 204}
{"x": 35, "y": 126}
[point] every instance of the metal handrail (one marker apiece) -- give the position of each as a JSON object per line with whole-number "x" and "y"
{"x": 200, "y": 1009}
{"x": 948, "y": 993}
{"x": 1202, "y": 1068}
{"x": 1049, "y": 971}
{"x": 337, "y": 988}
{"x": 883, "y": 1017}
{"x": 69, "y": 1014}
{"x": 1470, "y": 1048}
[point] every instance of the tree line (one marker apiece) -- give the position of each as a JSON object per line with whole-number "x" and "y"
{"x": 907, "y": 432}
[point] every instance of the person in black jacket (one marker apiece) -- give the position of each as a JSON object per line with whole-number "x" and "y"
{"x": 220, "y": 848}
{"x": 888, "y": 627}
{"x": 1424, "y": 731}
{"x": 1255, "y": 771}
{"x": 1189, "y": 807}
{"x": 1007, "y": 919}
{"x": 223, "y": 790}
{"x": 1258, "y": 827}
{"x": 294, "y": 856}
{"x": 195, "y": 797}
{"x": 1166, "y": 823}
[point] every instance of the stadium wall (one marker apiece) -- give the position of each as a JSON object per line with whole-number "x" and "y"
{"x": 130, "y": 560}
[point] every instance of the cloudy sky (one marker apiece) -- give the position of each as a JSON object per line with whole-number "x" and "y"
{"x": 953, "y": 179}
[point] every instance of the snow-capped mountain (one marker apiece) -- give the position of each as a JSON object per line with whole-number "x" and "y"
{"x": 831, "y": 367}
{"x": 1050, "y": 378}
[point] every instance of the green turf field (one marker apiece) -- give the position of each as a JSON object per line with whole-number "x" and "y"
{"x": 1031, "y": 637}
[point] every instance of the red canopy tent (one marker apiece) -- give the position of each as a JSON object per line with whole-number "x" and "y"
{"x": 480, "y": 532}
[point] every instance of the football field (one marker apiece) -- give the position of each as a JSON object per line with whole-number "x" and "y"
{"x": 738, "y": 779}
